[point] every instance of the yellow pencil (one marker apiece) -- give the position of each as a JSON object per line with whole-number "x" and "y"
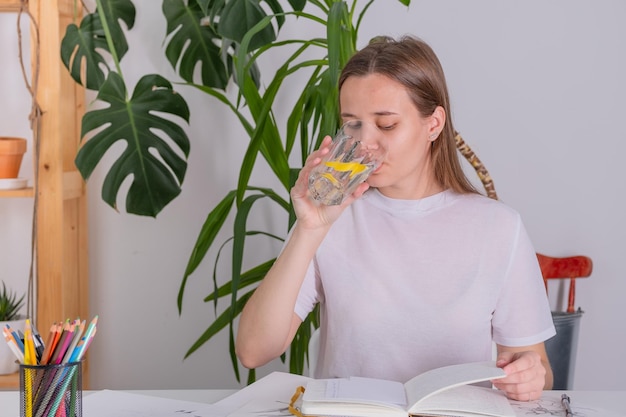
{"x": 28, "y": 360}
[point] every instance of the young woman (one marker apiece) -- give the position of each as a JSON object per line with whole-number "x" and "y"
{"x": 416, "y": 270}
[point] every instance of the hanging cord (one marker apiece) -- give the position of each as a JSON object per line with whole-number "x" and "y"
{"x": 476, "y": 163}
{"x": 35, "y": 125}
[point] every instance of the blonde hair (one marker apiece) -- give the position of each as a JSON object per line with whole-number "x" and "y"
{"x": 412, "y": 63}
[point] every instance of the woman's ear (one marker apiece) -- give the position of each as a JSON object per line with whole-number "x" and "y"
{"x": 437, "y": 121}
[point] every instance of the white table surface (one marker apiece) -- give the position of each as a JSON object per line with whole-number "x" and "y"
{"x": 598, "y": 401}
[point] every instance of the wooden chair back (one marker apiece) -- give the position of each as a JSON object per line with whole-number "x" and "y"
{"x": 570, "y": 267}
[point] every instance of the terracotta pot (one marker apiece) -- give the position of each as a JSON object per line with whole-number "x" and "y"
{"x": 11, "y": 153}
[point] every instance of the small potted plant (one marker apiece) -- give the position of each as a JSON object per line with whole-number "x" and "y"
{"x": 10, "y": 306}
{"x": 11, "y": 153}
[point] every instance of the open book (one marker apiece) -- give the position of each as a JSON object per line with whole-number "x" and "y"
{"x": 440, "y": 392}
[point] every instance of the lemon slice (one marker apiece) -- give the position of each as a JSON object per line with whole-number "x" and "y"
{"x": 354, "y": 167}
{"x": 330, "y": 178}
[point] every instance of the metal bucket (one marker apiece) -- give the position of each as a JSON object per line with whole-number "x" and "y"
{"x": 562, "y": 348}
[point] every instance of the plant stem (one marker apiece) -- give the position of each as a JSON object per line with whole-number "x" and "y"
{"x": 107, "y": 35}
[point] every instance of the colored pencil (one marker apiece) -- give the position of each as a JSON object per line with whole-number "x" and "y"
{"x": 29, "y": 359}
{"x": 16, "y": 337}
{"x": 13, "y": 346}
{"x": 80, "y": 328}
{"x": 58, "y": 328}
{"x": 50, "y": 406}
{"x": 29, "y": 346}
{"x": 78, "y": 352}
{"x": 38, "y": 342}
{"x": 64, "y": 342}
{"x": 48, "y": 345}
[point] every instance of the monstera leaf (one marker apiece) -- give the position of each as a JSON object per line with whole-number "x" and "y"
{"x": 157, "y": 170}
{"x": 85, "y": 43}
{"x": 192, "y": 42}
{"x": 238, "y": 17}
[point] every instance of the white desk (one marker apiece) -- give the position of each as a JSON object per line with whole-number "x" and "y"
{"x": 10, "y": 400}
{"x": 206, "y": 396}
{"x": 594, "y": 402}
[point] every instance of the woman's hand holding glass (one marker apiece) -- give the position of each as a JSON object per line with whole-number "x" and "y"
{"x": 334, "y": 175}
{"x": 310, "y": 213}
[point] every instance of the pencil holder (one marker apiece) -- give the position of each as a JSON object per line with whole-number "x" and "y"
{"x": 51, "y": 390}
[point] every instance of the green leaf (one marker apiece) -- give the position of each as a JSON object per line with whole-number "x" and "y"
{"x": 251, "y": 376}
{"x": 211, "y": 227}
{"x": 248, "y": 278}
{"x": 299, "y": 348}
{"x": 221, "y": 97}
{"x": 84, "y": 45}
{"x": 265, "y": 136}
{"x": 204, "y": 5}
{"x": 220, "y": 323}
{"x": 239, "y": 237}
{"x": 238, "y": 17}
{"x": 10, "y": 304}
{"x": 277, "y": 10}
{"x": 114, "y": 11}
{"x": 297, "y": 5}
{"x": 341, "y": 40}
{"x": 231, "y": 348}
{"x": 293, "y": 177}
{"x": 80, "y": 45}
{"x": 156, "y": 166}
{"x": 191, "y": 44}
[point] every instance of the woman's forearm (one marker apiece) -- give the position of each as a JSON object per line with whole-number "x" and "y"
{"x": 268, "y": 324}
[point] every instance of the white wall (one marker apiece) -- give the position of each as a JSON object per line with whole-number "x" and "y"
{"x": 15, "y": 214}
{"x": 537, "y": 91}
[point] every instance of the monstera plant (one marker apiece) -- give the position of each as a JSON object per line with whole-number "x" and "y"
{"x": 212, "y": 45}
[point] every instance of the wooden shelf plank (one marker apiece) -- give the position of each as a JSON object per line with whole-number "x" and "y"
{"x": 10, "y": 382}
{"x": 22, "y": 192}
{"x": 9, "y": 5}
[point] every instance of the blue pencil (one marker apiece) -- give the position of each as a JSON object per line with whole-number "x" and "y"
{"x": 17, "y": 338}
{"x": 79, "y": 350}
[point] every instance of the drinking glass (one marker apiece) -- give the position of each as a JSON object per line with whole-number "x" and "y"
{"x": 355, "y": 152}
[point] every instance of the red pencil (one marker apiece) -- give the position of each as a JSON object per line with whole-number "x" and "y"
{"x": 53, "y": 339}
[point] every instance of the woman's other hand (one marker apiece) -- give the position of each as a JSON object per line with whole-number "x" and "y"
{"x": 527, "y": 369}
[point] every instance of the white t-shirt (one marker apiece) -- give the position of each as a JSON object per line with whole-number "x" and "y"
{"x": 406, "y": 286}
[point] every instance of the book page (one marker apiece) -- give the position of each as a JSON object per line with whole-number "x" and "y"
{"x": 466, "y": 400}
{"x": 277, "y": 386}
{"x": 356, "y": 390}
{"x": 437, "y": 380}
{"x": 363, "y": 389}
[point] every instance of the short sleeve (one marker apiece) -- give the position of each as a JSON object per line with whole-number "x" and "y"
{"x": 309, "y": 294}
{"x": 522, "y": 316}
